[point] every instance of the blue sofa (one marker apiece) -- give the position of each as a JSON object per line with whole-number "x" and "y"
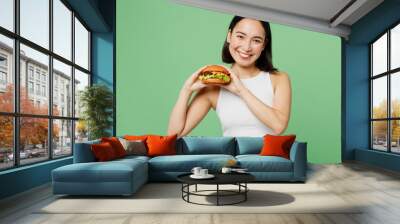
{"x": 125, "y": 176}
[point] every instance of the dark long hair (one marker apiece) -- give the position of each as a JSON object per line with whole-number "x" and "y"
{"x": 264, "y": 62}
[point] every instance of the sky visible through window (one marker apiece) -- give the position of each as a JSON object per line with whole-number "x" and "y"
{"x": 6, "y": 14}
{"x": 34, "y": 26}
{"x": 395, "y": 47}
{"x": 379, "y": 49}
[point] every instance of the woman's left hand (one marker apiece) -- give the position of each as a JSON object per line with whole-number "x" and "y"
{"x": 235, "y": 86}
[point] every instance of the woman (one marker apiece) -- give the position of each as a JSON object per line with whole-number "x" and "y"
{"x": 257, "y": 100}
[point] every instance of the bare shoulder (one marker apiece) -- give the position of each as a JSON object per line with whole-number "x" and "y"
{"x": 280, "y": 76}
{"x": 281, "y": 79}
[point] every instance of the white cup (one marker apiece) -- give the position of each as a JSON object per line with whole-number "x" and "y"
{"x": 196, "y": 170}
{"x": 226, "y": 170}
{"x": 203, "y": 172}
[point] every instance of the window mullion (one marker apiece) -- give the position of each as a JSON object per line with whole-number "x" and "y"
{"x": 16, "y": 83}
{"x": 50, "y": 87}
{"x": 371, "y": 145}
{"x": 73, "y": 82}
{"x": 389, "y": 106}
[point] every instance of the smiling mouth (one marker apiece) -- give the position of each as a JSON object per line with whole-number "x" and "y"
{"x": 244, "y": 55}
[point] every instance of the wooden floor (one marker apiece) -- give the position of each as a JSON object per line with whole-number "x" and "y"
{"x": 353, "y": 182}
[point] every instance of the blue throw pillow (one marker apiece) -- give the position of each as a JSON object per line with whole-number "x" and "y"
{"x": 249, "y": 145}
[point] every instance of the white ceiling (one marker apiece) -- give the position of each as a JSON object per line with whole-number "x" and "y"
{"x": 326, "y": 16}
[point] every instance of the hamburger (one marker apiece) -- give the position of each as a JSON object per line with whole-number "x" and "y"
{"x": 214, "y": 74}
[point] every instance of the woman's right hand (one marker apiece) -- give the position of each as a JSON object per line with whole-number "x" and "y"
{"x": 193, "y": 83}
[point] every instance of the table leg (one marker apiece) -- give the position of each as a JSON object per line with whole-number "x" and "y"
{"x": 217, "y": 194}
{"x": 245, "y": 193}
{"x": 188, "y": 189}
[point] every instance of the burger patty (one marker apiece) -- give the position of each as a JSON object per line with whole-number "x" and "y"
{"x": 215, "y": 75}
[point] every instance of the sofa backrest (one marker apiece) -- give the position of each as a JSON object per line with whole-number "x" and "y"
{"x": 83, "y": 152}
{"x": 249, "y": 145}
{"x": 206, "y": 145}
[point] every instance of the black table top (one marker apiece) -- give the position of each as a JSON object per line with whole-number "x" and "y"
{"x": 220, "y": 178}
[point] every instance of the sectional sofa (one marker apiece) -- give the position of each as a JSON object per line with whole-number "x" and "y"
{"x": 125, "y": 176}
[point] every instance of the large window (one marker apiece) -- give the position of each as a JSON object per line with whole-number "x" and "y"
{"x": 385, "y": 91}
{"x": 44, "y": 65}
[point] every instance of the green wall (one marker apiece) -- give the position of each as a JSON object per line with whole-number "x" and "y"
{"x": 159, "y": 44}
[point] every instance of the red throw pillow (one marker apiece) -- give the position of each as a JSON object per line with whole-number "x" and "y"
{"x": 116, "y": 145}
{"x": 103, "y": 151}
{"x": 161, "y": 145}
{"x": 135, "y": 137}
{"x": 277, "y": 145}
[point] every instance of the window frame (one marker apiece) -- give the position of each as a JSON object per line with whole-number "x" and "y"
{"x": 16, "y": 115}
{"x": 388, "y": 74}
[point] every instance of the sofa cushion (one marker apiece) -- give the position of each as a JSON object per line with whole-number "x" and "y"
{"x": 185, "y": 163}
{"x": 135, "y": 137}
{"x": 116, "y": 145}
{"x": 248, "y": 145}
{"x": 83, "y": 152}
{"x": 103, "y": 152}
{"x": 131, "y": 158}
{"x": 111, "y": 171}
{"x": 134, "y": 147}
{"x": 277, "y": 145}
{"x": 257, "y": 163}
{"x": 161, "y": 145}
{"x": 206, "y": 145}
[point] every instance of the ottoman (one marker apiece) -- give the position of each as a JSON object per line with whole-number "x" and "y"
{"x": 118, "y": 177}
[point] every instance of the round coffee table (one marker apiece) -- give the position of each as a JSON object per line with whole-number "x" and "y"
{"x": 238, "y": 179}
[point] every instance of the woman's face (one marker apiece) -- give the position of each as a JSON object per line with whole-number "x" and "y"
{"x": 246, "y": 42}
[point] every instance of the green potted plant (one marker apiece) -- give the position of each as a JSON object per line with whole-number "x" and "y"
{"x": 97, "y": 104}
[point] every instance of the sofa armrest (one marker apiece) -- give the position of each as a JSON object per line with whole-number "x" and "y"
{"x": 83, "y": 152}
{"x": 298, "y": 155}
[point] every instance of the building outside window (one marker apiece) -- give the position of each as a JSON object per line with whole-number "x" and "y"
{"x": 30, "y": 87}
{"x": 3, "y": 78}
{"x": 3, "y": 72}
{"x": 37, "y": 75}
{"x": 38, "y": 89}
{"x": 43, "y": 90}
{"x": 3, "y": 61}
{"x": 44, "y": 78}
{"x": 30, "y": 72}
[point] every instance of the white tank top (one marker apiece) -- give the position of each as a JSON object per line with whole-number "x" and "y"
{"x": 235, "y": 116}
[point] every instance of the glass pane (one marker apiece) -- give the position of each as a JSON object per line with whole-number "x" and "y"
{"x": 6, "y": 74}
{"x": 34, "y": 82}
{"x": 62, "y": 89}
{"x": 62, "y": 29}
{"x": 395, "y": 136}
{"x": 33, "y": 140}
{"x": 35, "y": 21}
{"x": 62, "y": 137}
{"x": 7, "y": 14}
{"x": 395, "y": 47}
{"x": 6, "y": 142}
{"x": 395, "y": 94}
{"x": 81, "y": 131}
{"x": 81, "y": 81}
{"x": 81, "y": 45}
{"x": 379, "y": 100}
{"x": 379, "y": 55}
{"x": 379, "y": 135}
